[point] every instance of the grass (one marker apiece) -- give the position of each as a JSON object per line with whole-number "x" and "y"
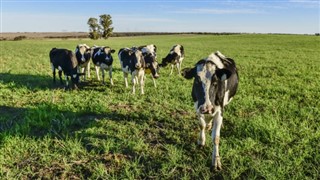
{"x": 271, "y": 129}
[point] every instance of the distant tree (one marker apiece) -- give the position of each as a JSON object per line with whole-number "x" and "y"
{"x": 105, "y": 23}
{"x": 94, "y": 28}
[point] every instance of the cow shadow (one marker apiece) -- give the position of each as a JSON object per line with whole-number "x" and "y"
{"x": 48, "y": 120}
{"x": 29, "y": 81}
{"x": 41, "y": 82}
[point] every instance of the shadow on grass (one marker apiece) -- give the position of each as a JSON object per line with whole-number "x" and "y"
{"x": 40, "y": 82}
{"x": 29, "y": 81}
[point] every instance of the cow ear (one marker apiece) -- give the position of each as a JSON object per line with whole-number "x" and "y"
{"x": 112, "y": 50}
{"x": 189, "y": 73}
{"x": 223, "y": 74}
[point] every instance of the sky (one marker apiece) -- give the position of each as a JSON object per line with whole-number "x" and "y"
{"x": 243, "y": 16}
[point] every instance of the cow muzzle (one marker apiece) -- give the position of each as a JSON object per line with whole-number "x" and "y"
{"x": 206, "y": 109}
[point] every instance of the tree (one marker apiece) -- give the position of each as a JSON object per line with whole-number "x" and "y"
{"x": 94, "y": 28}
{"x": 106, "y": 28}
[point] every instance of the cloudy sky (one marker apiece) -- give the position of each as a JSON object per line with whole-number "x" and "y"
{"x": 251, "y": 16}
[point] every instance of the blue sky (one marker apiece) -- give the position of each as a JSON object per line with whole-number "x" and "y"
{"x": 251, "y": 16}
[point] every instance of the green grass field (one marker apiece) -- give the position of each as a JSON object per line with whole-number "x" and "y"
{"x": 271, "y": 128}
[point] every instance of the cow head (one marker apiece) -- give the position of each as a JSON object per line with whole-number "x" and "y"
{"x": 152, "y": 64}
{"x": 106, "y": 52}
{"x": 208, "y": 75}
{"x": 138, "y": 59}
{"x": 149, "y": 54}
{"x": 83, "y": 52}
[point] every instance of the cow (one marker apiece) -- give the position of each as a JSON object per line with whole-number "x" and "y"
{"x": 132, "y": 62}
{"x": 83, "y": 54}
{"x": 101, "y": 57}
{"x": 215, "y": 84}
{"x": 149, "y": 53}
{"x": 65, "y": 61}
{"x": 175, "y": 57}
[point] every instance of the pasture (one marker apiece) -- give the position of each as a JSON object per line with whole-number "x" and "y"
{"x": 271, "y": 129}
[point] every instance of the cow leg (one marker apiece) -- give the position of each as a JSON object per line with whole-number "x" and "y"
{"x": 67, "y": 80}
{"x": 102, "y": 71}
{"x": 133, "y": 78}
{"x": 60, "y": 77}
{"x": 202, "y": 135}
{"x": 88, "y": 69}
{"x": 171, "y": 69}
{"x": 178, "y": 67}
{"x": 54, "y": 73}
{"x": 216, "y": 164}
{"x": 141, "y": 78}
{"x": 125, "y": 75}
{"x": 83, "y": 70}
{"x": 97, "y": 72}
{"x": 154, "y": 82}
{"x": 110, "y": 75}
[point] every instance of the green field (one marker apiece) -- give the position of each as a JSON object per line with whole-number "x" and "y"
{"x": 271, "y": 128}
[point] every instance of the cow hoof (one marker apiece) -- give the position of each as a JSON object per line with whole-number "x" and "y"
{"x": 200, "y": 144}
{"x": 216, "y": 166}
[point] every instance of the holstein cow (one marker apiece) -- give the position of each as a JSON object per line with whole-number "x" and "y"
{"x": 215, "y": 83}
{"x": 66, "y": 61}
{"x": 175, "y": 57}
{"x": 149, "y": 53}
{"x": 101, "y": 57}
{"x": 83, "y": 54}
{"x": 132, "y": 61}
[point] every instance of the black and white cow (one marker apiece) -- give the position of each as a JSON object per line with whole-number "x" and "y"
{"x": 83, "y": 54}
{"x": 132, "y": 62}
{"x": 175, "y": 57}
{"x": 65, "y": 61}
{"x": 215, "y": 83}
{"x": 101, "y": 57}
{"x": 149, "y": 53}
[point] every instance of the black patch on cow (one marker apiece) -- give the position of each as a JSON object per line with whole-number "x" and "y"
{"x": 102, "y": 57}
{"x": 67, "y": 60}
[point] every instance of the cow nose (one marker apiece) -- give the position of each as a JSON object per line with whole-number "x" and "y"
{"x": 137, "y": 65}
{"x": 206, "y": 109}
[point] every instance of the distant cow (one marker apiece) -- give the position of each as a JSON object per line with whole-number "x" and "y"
{"x": 215, "y": 83}
{"x": 65, "y": 61}
{"x": 149, "y": 53}
{"x": 101, "y": 57}
{"x": 83, "y": 54}
{"x": 175, "y": 57}
{"x": 132, "y": 62}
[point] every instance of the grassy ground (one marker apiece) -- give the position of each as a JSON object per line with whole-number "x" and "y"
{"x": 271, "y": 129}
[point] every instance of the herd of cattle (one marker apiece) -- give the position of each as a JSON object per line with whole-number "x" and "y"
{"x": 215, "y": 78}
{"x": 135, "y": 61}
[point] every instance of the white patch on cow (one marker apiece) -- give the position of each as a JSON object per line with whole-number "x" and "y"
{"x": 216, "y": 60}
{"x": 104, "y": 66}
{"x": 223, "y": 77}
{"x": 205, "y": 72}
{"x": 226, "y": 98}
{"x": 220, "y": 55}
{"x": 196, "y": 106}
{"x": 74, "y": 75}
{"x": 59, "y": 68}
